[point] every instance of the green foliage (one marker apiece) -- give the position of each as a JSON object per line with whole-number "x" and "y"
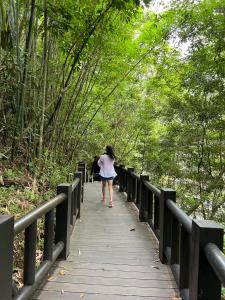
{"x": 90, "y": 73}
{"x": 187, "y": 97}
{"x": 12, "y": 174}
{"x": 52, "y": 174}
{"x": 5, "y": 30}
{"x": 16, "y": 202}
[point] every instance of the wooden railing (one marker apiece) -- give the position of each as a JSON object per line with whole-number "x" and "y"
{"x": 192, "y": 248}
{"x": 60, "y": 214}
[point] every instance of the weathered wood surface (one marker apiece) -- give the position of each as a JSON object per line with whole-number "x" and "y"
{"x": 112, "y": 256}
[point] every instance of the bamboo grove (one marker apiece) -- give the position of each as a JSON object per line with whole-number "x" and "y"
{"x": 76, "y": 75}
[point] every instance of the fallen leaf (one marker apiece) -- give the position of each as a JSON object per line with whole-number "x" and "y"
{"x": 62, "y": 291}
{"x": 62, "y": 272}
{"x": 154, "y": 267}
{"x": 79, "y": 252}
{"x": 81, "y": 296}
{"x": 51, "y": 278}
{"x": 132, "y": 229}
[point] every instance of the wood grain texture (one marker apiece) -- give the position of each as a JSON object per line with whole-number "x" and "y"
{"x": 112, "y": 256}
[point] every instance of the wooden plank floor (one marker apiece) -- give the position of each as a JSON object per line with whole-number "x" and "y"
{"x": 112, "y": 256}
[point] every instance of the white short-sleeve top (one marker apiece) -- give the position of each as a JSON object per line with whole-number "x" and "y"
{"x": 106, "y": 164}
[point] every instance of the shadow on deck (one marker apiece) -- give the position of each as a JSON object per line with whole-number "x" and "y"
{"x": 113, "y": 256}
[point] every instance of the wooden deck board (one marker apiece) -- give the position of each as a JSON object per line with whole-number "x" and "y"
{"x": 52, "y": 295}
{"x": 107, "y": 260}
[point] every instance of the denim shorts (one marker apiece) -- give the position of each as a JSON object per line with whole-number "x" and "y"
{"x": 106, "y": 178}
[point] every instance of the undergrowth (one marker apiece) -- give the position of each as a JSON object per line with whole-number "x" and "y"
{"x": 20, "y": 192}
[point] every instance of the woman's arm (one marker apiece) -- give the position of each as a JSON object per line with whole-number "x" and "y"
{"x": 100, "y": 161}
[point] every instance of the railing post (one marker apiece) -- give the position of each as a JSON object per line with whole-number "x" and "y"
{"x": 129, "y": 184}
{"x": 79, "y": 196}
{"x": 143, "y": 199}
{"x": 6, "y": 256}
{"x": 165, "y": 222}
{"x": 204, "y": 283}
{"x": 63, "y": 211}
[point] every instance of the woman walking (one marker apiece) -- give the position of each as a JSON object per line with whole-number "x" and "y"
{"x": 107, "y": 172}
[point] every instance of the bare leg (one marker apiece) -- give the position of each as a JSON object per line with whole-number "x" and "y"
{"x": 103, "y": 189}
{"x": 110, "y": 183}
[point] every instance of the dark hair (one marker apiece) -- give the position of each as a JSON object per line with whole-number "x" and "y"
{"x": 110, "y": 151}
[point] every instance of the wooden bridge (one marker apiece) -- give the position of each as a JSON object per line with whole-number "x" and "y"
{"x": 146, "y": 247}
{"x": 112, "y": 256}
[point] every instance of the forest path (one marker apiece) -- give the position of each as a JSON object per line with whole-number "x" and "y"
{"x": 112, "y": 256}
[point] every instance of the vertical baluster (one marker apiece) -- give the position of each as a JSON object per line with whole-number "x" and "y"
{"x": 49, "y": 235}
{"x": 150, "y": 208}
{"x": 30, "y": 254}
{"x": 185, "y": 250}
{"x": 156, "y": 214}
{"x": 175, "y": 249}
